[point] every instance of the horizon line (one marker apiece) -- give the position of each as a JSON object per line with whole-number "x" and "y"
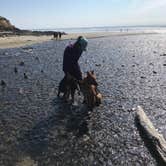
{"x": 107, "y": 26}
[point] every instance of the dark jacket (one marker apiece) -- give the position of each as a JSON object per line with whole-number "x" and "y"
{"x": 71, "y": 56}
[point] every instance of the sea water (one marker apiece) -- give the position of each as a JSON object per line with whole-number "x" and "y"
{"x": 134, "y": 29}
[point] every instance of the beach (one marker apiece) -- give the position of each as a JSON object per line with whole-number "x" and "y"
{"x": 39, "y": 129}
{"x": 25, "y": 40}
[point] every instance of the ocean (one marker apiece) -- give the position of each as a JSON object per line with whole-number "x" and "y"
{"x": 153, "y": 29}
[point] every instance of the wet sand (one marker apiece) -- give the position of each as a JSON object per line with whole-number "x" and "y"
{"x": 19, "y": 41}
{"x": 37, "y": 128}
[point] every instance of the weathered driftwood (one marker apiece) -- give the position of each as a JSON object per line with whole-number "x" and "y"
{"x": 158, "y": 143}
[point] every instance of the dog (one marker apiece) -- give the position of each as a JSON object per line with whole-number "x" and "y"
{"x": 68, "y": 85}
{"x": 92, "y": 96}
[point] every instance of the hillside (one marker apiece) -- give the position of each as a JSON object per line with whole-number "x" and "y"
{"x": 5, "y": 25}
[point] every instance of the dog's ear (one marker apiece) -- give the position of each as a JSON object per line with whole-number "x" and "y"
{"x": 88, "y": 73}
{"x": 92, "y": 71}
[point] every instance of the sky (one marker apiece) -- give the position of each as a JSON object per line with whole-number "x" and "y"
{"x": 45, "y": 14}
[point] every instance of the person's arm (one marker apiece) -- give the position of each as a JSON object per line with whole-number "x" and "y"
{"x": 77, "y": 70}
{"x": 66, "y": 59}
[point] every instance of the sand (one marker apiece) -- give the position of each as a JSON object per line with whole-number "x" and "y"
{"x": 18, "y": 41}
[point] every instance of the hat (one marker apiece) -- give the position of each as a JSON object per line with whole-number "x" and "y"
{"x": 83, "y": 42}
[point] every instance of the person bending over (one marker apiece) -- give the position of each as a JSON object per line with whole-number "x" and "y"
{"x": 71, "y": 56}
{"x": 71, "y": 68}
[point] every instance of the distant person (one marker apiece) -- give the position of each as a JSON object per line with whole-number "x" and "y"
{"x": 55, "y": 34}
{"x": 60, "y": 35}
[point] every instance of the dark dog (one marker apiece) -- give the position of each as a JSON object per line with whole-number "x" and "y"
{"x": 68, "y": 86}
{"x": 92, "y": 97}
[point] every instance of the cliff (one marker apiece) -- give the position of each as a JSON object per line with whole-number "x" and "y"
{"x": 5, "y": 25}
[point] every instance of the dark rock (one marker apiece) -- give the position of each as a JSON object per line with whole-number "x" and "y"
{"x": 164, "y": 64}
{"x": 37, "y": 58}
{"x": 163, "y": 54}
{"x": 154, "y": 72}
{"x": 21, "y": 63}
{"x": 3, "y": 83}
{"x": 151, "y": 64}
{"x": 98, "y": 64}
{"x": 15, "y": 70}
{"x": 25, "y": 76}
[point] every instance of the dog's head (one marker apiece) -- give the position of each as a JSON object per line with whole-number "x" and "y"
{"x": 91, "y": 78}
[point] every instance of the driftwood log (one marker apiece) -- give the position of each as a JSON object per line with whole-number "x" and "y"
{"x": 156, "y": 142}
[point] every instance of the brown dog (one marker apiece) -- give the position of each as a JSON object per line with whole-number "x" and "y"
{"x": 92, "y": 97}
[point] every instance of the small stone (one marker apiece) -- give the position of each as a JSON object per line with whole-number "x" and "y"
{"x": 25, "y": 76}
{"x": 163, "y": 55}
{"x": 21, "y": 63}
{"x": 154, "y": 72}
{"x": 21, "y": 91}
{"x": 15, "y": 70}
{"x": 37, "y": 58}
{"x": 151, "y": 64}
{"x": 98, "y": 65}
{"x": 86, "y": 138}
{"x": 3, "y": 83}
{"x": 109, "y": 162}
{"x": 101, "y": 145}
{"x": 164, "y": 64}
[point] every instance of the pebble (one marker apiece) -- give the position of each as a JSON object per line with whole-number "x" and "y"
{"x": 3, "y": 83}
{"x": 15, "y": 70}
{"x": 154, "y": 72}
{"x": 163, "y": 55}
{"x": 21, "y": 63}
{"x": 25, "y": 76}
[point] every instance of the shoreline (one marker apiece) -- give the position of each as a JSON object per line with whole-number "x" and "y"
{"x": 19, "y": 41}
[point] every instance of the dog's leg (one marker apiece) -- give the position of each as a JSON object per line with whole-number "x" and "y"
{"x": 58, "y": 93}
{"x": 72, "y": 95}
{"x": 66, "y": 94}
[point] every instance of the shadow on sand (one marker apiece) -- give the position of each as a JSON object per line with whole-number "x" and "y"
{"x": 65, "y": 120}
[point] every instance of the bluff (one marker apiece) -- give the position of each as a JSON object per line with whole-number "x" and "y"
{"x": 5, "y": 25}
